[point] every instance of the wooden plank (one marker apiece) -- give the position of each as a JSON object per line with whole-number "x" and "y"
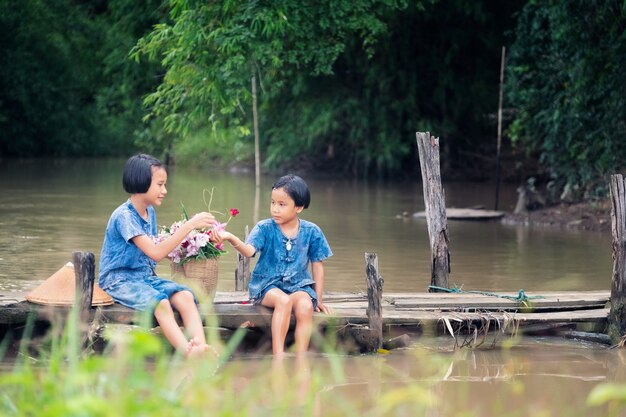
{"x": 230, "y": 311}
{"x": 548, "y": 294}
{"x": 466, "y": 214}
{"x": 425, "y": 316}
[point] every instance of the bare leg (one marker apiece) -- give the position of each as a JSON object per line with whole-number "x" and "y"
{"x": 281, "y": 303}
{"x": 278, "y": 377}
{"x": 165, "y": 317}
{"x": 303, "y": 310}
{"x": 184, "y": 303}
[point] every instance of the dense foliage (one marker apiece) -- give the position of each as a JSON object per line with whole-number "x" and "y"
{"x": 567, "y": 84}
{"x": 343, "y": 85}
{"x": 67, "y": 86}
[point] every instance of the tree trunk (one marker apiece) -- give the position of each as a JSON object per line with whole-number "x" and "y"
{"x": 435, "y": 205}
{"x": 617, "y": 317}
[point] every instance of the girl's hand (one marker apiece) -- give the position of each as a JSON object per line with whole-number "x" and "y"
{"x": 219, "y": 237}
{"x": 322, "y": 308}
{"x": 202, "y": 220}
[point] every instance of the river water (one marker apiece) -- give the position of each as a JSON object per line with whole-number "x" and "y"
{"x": 50, "y": 208}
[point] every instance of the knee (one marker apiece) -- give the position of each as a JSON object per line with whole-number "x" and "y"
{"x": 284, "y": 303}
{"x": 304, "y": 310}
{"x": 183, "y": 300}
{"x": 162, "y": 307}
{"x": 186, "y": 297}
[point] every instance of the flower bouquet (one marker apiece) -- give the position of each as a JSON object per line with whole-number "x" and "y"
{"x": 195, "y": 258}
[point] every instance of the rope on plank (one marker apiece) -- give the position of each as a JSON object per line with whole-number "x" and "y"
{"x": 521, "y": 295}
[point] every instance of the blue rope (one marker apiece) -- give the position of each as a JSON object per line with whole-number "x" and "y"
{"x": 521, "y": 295}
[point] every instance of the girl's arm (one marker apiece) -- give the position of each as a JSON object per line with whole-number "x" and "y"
{"x": 317, "y": 269}
{"x": 160, "y": 251}
{"x": 245, "y": 249}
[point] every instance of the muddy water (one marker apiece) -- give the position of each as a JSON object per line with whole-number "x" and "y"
{"x": 50, "y": 208}
{"x": 527, "y": 377}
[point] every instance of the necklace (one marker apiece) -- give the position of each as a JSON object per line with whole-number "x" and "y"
{"x": 288, "y": 245}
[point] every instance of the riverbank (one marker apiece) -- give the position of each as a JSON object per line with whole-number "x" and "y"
{"x": 592, "y": 216}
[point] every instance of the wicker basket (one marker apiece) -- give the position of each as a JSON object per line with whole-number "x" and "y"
{"x": 200, "y": 273}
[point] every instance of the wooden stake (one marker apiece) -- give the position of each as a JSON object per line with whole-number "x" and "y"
{"x": 242, "y": 273}
{"x": 84, "y": 270}
{"x": 374, "y": 298}
{"x": 434, "y": 201}
{"x": 617, "y": 316}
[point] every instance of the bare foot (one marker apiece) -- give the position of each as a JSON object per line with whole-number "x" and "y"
{"x": 195, "y": 347}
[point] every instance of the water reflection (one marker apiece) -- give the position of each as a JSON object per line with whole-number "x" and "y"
{"x": 50, "y": 208}
{"x": 524, "y": 379}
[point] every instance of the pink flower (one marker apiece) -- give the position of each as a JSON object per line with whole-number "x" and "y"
{"x": 198, "y": 243}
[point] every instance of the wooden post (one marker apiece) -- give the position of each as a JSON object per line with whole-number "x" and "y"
{"x": 242, "y": 273}
{"x": 617, "y": 316}
{"x": 435, "y": 204}
{"x": 374, "y": 298}
{"x": 84, "y": 270}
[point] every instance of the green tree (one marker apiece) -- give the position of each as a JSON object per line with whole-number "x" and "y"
{"x": 567, "y": 82}
{"x": 42, "y": 100}
{"x": 211, "y": 49}
{"x": 344, "y": 84}
{"x": 67, "y": 86}
{"x": 435, "y": 67}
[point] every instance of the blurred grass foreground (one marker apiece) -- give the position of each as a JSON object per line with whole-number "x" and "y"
{"x": 137, "y": 374}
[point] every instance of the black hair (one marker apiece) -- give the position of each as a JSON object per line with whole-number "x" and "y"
{"x": 296, "y": 188}
{"x": 138, "y": 173}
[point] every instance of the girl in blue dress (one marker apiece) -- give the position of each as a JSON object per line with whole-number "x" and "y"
{"x": 288, "y": 245}
{"x": 129, "y": 256}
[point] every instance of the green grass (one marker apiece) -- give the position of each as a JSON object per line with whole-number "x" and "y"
{"x": 220, "y": 149}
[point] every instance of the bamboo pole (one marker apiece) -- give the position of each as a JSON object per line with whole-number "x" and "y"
{"x": 257, "y": 152}
{"x": 499, "y": 145}
{"x": 434, "y": 201}
{"x": 617, "y": 316}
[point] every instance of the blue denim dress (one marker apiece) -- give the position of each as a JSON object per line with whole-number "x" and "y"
{"x": 282, "y": 265}
{"x": 126, "y": 273}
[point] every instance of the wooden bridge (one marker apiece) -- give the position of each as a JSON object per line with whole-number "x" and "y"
{"x": 412, "y": 313}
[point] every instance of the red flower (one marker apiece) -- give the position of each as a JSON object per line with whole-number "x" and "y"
{"x": 234, "y": 212}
